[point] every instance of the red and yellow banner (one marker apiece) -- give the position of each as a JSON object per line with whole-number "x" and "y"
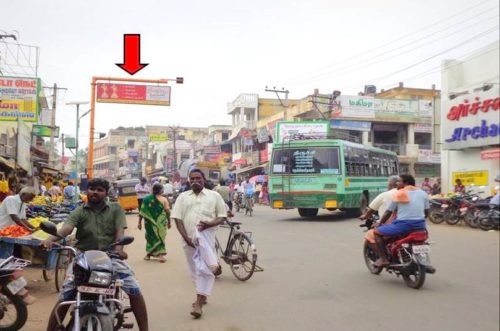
{"x": 133, "y": 94}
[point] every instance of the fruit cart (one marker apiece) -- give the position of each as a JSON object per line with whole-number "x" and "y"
{"x": 53, "y": 263}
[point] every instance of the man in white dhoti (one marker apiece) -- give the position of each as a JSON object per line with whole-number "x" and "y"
{"x": 197, "y": 213}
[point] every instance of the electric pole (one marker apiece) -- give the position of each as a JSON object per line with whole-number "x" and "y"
{"x": 173, "y": 130}
{"x": 52, "y": 160}
{"x": 283, "y": 104}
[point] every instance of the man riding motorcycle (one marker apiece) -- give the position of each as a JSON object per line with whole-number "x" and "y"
{"x": 412, "y": 205}
{"x": 99, "y": 223}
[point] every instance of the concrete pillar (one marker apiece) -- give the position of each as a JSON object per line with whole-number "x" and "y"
{"x": 365, "y": 138}
{"x": 242, "y": 115}
{"x": 411, "y": 133}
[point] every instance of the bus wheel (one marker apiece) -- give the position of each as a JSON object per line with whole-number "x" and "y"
{"x": 308, "y": 212}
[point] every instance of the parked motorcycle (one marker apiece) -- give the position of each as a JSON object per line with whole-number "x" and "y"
{"x": 438, "y": 210}
{"x": 408, "y": 256}
{"x": 99, "y": 304}
{"x": 13, "y": 311}
{"x": 490, "y": 220}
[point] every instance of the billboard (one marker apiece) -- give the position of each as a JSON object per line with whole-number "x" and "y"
{"x": 133, "y": 94}
{"x": 158, "y": 137}
{"x": 286, "y": 130}
{"x": 19, "y": 98}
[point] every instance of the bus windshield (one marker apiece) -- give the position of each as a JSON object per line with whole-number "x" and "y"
{"x": 310, "y": 160}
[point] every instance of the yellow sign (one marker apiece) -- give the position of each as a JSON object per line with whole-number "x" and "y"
{"x": 158, "y": 137}
{"x": 478, "y": 178}
{"x": 19, "y": 98}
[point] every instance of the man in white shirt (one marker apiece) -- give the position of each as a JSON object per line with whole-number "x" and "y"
{"x": 142, "y": 190}
{"x": 168, "y": 189}
{"x": 382, "y": 201}
{"x": 13, "y": 209}
{"x": 195, "y": 211}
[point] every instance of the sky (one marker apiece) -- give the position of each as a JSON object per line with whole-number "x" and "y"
{"x": 224, "y": 48}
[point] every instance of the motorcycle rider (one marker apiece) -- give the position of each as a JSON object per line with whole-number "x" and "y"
{"x": 412, "y": 205}
{"x": 98, "y": 224}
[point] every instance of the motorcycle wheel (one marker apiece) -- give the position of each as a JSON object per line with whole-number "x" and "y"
{"x": 94, "y": 322}
{"x": 486, "y": 223}
{"x": 416, "y": 278}
{"x": 453, "y": 218}
{"x": 370, "y": 257}
{"x": 436, "y": 217}
{"x": 15, "y": 305}
{"x": 471, "y": 219}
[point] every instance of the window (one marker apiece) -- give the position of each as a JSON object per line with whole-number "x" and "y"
{"x": 313, "y": 160}
{"x": 131, "y": 143}
{"x": 225, "y": 136}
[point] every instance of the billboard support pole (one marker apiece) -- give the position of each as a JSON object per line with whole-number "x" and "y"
{"x": 90, "y": 158}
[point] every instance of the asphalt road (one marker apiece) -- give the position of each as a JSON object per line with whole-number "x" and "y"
{"x": 314, "y": 278}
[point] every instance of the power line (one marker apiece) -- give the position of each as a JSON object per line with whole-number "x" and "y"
{"x": 440, "y": 67}
{"x": 474, "y": 38}
{"x": 391, "y": 42}
{"x": 360, "y": 65}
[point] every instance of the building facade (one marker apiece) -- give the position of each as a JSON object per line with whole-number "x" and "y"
{"x": 470, "y": 128}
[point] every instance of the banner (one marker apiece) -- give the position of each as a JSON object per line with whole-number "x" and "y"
{"x": 477, "y": 178}
{"x": 19, "y": 98}
{"x": 45, "y": 131}
{"x": 355, "y": 106}
{"x": 395, "y": 109}
{"x": 288, "y": 130}
{"x": 158, "y": 137}
{"x": 133, "y": 94}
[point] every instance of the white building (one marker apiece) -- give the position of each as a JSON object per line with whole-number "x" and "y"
{"x": 470, "y": 119}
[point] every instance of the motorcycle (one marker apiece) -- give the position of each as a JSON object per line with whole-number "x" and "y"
{"x": 438, "y": 209}
{"x": 238, "y": 201}
{"x": 99, "y": 303}
{"x": 13, "y": 310}
{"x": 408, "y": 256}
{"x": 491, "y": 220}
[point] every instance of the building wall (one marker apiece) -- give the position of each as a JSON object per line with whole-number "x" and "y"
{"x": 463, "y": 82}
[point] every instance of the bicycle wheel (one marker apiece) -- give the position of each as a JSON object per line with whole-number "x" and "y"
{"x": 63, "y": 261}
{"x": 243, "y": 257}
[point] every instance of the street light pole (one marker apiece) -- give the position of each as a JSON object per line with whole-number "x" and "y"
{"x": 77, "y": 103}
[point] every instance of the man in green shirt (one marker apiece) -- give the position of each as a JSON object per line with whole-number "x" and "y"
{"x": 98, "y": 224}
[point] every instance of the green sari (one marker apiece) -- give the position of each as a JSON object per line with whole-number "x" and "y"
{"x": 155, "y": 224}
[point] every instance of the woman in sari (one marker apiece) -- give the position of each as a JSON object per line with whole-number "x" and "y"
{"x": 156, "y": 213}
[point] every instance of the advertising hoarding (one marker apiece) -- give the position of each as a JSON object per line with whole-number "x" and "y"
{"x": 133, "y": 94}
{"x": 19, "y": 98}
{"x": 287, "y": 130}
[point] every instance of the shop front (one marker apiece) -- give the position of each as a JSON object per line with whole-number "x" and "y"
{"x": 470, "y": 120}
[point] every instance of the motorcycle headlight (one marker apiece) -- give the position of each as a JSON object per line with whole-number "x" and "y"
{"x": 100, "y": 278}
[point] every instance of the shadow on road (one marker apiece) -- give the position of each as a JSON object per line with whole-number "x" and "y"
{"x": 336, "y": 216}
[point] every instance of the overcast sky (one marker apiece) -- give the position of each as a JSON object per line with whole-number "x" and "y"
{"x": 224, "y": 48}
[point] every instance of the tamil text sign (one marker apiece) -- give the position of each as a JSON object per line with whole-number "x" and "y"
{"x": 478, "y": 178}
{"x": 296, "y": 130}
{"x": 19, "y": 99}
{"x": 133, "y": 94}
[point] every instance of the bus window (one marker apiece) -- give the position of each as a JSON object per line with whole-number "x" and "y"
{"x": 312, "y": 160}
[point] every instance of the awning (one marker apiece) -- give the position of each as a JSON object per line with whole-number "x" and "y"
{"x": 248, "y": 169}
{"x": 7, "y": 162}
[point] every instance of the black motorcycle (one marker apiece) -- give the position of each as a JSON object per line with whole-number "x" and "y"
{"x": 491, "y": 219}
{"x": 99, "y": 304}
{"x": 13, "y": 311}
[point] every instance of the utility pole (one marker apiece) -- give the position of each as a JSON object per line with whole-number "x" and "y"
{"x": 174, "y": 130}
{"x": 62, "y": 137}
{"x": 53, "y": 122}
{"x": 283, "y": 104}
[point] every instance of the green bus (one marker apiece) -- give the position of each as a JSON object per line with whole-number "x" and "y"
{"x": 310, "y": 174}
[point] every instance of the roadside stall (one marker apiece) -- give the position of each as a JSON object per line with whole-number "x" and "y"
{"x": 14, "y": 240}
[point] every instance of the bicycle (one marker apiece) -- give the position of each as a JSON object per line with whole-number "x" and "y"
{"x": 248, "y": 204}
{"x": 240, "y": 252}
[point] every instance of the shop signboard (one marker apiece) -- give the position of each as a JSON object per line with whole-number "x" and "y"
{"x": 425, "y": 108}
{"x": 471, "y": 120}
{"x": 45, "y": 131}
{"x": 427, "y": 156}
{"x": 158, "y": 137}
{"x": 287, "y": 130}
{"x": 423, "y": 128}
{"x": 211, "y": 149}
{"x": 262, "y": 135}
{"x": 396, "y": 110}
{"x": 19, "y": 98}
{"x": 491, "y": 154}
{"x": 133, "y": 94}
{"x": 355, "y": 106}
{"x": 477, "y": 178}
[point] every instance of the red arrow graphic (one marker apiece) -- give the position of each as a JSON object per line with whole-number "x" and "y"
{"x": 132, "y": 54}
